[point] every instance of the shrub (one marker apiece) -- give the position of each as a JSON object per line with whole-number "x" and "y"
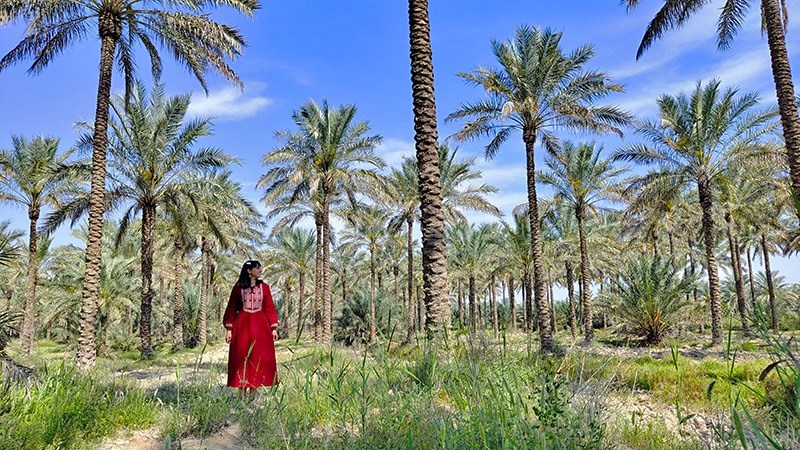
{"x": 649, "y": 295}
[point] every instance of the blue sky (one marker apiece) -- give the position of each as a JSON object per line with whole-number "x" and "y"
{"x": 358, "y": 52}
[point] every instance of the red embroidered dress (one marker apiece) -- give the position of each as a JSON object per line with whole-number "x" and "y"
{"x": 251, "y": 316}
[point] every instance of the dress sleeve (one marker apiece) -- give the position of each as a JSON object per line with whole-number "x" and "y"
{"x": 234, "y": 305}
{"x": 269, "y": 308}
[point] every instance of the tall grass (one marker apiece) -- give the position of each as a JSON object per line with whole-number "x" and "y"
{"x": 65, "y": 411}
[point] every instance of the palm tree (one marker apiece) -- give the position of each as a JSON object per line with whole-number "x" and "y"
{"x": 538, "y": 89}
{"x": 562, "y": 221}
{"x": 322, "y": 160}
{"x": 675, "y": 13}
{"x": 181, "y": 27}
{"x": 648, "y": 293}
{"x": 516, "y": 250}
{"x": 697, "y": 140}
{"x": 35, "y": 175}
{"x": 367, "y": 227}
{"x": 469, "y": 251}
{"x": 294, "y": 247}
{"x": 434, "y": 242}
{"x": 152, "y": 163}
{"x": 580, "y": 178}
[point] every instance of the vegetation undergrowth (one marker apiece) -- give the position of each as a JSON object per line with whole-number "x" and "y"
{"x": 471, "y": 391}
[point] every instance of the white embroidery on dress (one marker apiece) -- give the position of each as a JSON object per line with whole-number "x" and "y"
{"x": 252, "y": 298}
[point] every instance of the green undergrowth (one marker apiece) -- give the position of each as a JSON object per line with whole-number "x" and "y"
{"x": 62, "y": 410}
{"x": 471, "y": 391}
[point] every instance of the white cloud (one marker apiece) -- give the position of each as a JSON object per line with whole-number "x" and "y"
{"x": 392, "y": 150}
{"x": 230, "y": 103}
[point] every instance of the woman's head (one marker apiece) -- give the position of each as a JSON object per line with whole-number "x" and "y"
{"x": 249, "y": 271}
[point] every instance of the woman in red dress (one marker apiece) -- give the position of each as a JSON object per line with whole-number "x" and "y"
{"x": 251, "y": 322}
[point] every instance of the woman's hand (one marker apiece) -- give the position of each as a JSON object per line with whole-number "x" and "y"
{"x": 228, "y": 335}
{"x": 274, "y": 335}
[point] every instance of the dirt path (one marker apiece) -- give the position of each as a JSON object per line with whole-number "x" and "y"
{"x": 152, "y": 379}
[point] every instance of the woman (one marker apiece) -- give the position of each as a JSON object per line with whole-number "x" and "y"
{"x": 252, "y": 323}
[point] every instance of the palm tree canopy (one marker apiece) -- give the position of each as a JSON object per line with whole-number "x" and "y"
{"x": 701, "y": 135}
{"x": 152, "y": 156}
{"x": 580, "y": 177}
{"x": 538, "y": 88}
{"x": 178, "y": 26}
{"x": 327, "y": 153}
{"x": 33, "y": 174}
{"x": 675, "y": 13}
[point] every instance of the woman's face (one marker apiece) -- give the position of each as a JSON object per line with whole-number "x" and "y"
{"x": 255, "y": 272}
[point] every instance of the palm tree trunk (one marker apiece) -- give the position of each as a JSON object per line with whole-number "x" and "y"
{"x": 410, "y": 269}
{"x": 472, "y": 306}
{"x": 318, "y": 284}
{"x": 372, "y": 293}
{"x": 737, "y": 272}
{"x": 327, "y": 297}
{"x": 301, "y": 291}
{"x": 568, "y": 269}
{"x": 750, "y": 275}
{"x": 552, "y": 302}
{"x": 434, "y": 257}
{"x": 287, "y": 305}
{"x": 344, "y": 286}
{"x": 706, "y": 202}
{"x": 511, "y": 307}
{"x": 528, "y": 303}
{"x": 784, "y": 87}
{"x": 205, "y": 255}
{"x": 461, "y": 303}
{"x": 177, "y": 329}
{"x": 420, "y": 309}
{"x": 28, "y": 325}
{"x": 542, "y": 313}
{"x": 110, "y": 29}
{"x": 495, "y": 326}
{"x": 770, "y": 286}
{"x": 586, "y": 295}
{"x": 148, "y": 228}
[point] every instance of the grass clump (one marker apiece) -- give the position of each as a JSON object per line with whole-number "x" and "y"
{"x": 66, "y": 411}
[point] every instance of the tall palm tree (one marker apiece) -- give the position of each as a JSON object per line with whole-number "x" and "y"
{"x": 152, "y": 163}
{"x": 583, "y": 180}
{"x": 536, "y": 90}
{"x": 180, "y": 27}
{"x": 434, "y": 242}
{"x": 675, "y": 13}
{"x": 697, "y": 140}
{"x": 329, "y": 156}
{"x": 34, "y": 175}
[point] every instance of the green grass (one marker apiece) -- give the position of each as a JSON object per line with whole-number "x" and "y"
{"x": 474, "y": 392}
{"x": 67, "y": 411}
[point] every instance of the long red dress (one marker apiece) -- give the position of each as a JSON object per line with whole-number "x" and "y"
{"x": 251, "y": 316}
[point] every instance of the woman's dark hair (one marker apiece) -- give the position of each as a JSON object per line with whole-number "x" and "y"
{"x": 244, "y": 277}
